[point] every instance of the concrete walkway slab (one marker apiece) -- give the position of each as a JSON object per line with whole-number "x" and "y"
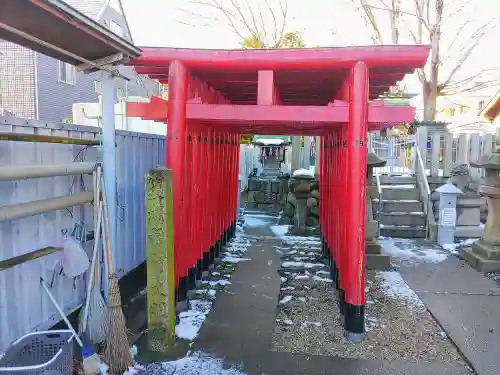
{"x": 451, "y": 276}
{"x": 467, "y": 306}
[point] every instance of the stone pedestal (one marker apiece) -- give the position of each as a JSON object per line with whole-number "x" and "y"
{"x": 469, "y": 216}
{"x": 485, "y": 253}
{"x": 374, "y": 258}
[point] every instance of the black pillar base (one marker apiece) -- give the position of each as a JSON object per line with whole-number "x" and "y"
{"x": 191, "y": 279}
{"x": 354, "y": 322}
{"x": 199, "y": 268}
{"x": 216, "y": 251}
{"x": 182, "y": 289}
{"x": 223, "y": 239}
{"x": 342, "y": 304}
{"x": 212, "y": 252}
{"x": 323, "y": 246}
{"x": 337, "y": 277}
{"x": 206, "y": 259}
{"x": 333, "y": 272}
{"x": 234, "y": 228}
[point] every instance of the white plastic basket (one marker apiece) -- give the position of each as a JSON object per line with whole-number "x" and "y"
{"x": 47, "y": 353}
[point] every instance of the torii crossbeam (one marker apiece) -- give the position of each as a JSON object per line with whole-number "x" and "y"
{"x": 215, "y": 95}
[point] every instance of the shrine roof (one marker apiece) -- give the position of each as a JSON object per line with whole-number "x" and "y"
{"x": 309, "y": 76}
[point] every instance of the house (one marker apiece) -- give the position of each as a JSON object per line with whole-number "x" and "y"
{"x": 36, "y": 86}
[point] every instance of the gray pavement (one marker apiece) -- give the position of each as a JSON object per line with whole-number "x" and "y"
{"x": 240, "y": 326}
{"x": 467, "y": 306}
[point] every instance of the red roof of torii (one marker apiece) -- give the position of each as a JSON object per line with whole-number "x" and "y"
{"x": 309, "y": 76}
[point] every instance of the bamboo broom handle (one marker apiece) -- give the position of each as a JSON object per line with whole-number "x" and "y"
{"x": 107, "y": 231}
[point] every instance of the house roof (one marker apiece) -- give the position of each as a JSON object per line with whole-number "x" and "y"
{"x": 90, "y": 8}
{"x": 55, "y": 29}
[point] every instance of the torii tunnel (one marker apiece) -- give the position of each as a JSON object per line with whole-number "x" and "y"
{"x": 214, "y": 96}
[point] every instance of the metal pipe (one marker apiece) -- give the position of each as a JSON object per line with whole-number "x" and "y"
{"x": 24, "y": 172}
{"x": 108, "y": 92}
{"x": 22, "y": 210}
{"x": 20, "y": 137}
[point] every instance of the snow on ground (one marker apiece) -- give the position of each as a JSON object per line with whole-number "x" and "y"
{"x": 395, "y": 287}
{"x": 455, "y": 247}
{"x": 196, "y": 363}
{"x": 191, "y": 321}
{"x": 303, "y": 173}
{"x": 280, "y": 230}
{"x": 405, "y": 249}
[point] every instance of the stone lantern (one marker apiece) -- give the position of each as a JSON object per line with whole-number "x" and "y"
{"x": 374, "y": 259}
{"x": 300, "y": 187}
{"x": 485, "y": 253}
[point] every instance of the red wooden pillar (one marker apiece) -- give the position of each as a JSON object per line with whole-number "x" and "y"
{"x": 343, "y": 192}
{"x": 335, "y": 206}
{"x": 328, "y": 187}
{"x": 197, "y": 204}
{"x": 355, "y": 219}
{"x": 322, "y": 193}
{"x": 236, "y": 176}
{"x": 204, "y": 210}
{"x": 176, "y": 135}
{"x": 209, "y": 199}
{"x": 188, "y": 202}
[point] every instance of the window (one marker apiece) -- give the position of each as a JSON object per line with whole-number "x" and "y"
{"x": 117, "y": 29}
{"x": 67, "y": 73}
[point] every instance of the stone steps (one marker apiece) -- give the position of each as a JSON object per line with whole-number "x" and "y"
{"x": 401, "y": 210}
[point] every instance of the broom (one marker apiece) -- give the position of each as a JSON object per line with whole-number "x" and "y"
{"x": 93, "y": 320}
{"x": 117, "y": 353}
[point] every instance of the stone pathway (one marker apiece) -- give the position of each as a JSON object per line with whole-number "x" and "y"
{"x": 237, "y": 336}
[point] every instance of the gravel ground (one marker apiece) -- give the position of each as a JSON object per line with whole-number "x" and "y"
{"x": 398, "y": 324}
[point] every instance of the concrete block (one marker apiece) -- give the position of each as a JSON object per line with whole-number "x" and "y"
{"x": 486, "y": 250}
{"x": 479, "y": 263}
{"x": 377, "y": 262}
{"x": 468, "y": 216}
{"x": 468, "y": 231}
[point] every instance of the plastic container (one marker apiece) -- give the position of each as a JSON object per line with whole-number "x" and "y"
{"x": 47, "y": 353}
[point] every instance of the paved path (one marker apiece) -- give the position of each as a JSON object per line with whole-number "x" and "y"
{"x": 467, "y": 306}
{"x": 240, "y": 326}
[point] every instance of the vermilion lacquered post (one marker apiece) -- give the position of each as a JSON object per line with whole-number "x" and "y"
{"x": 176, "y": 134}
{"x": 334, "y": 207}
{"x": 209, "y": 198}
{"x": 322, "y": 195}
{"x": 189, "y": 197}
{"x": 197, "y": 203}
{"x": 328, "y": 187}
{"x": 355, "y": 220}
{"x": 344, "y": 207}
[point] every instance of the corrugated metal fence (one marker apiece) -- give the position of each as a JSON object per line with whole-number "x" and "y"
{"x": 23, "y": 304}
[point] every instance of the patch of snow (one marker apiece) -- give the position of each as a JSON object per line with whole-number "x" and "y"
{"x": 395, "y": 287}
{"x": 322, "y": 273}
{"x": 302, "y": 264}
{"x": 454, "y": 248}
{"x": 285, "y": 299}
{"x": 255, "y": 222}
{"x": 408, "y": 186}
{"x": 303, "y": 173}
{"x": 269, "y": 263}
{"x": 197, "y": 363}
{"x": 283, "y": 279}
{"x": 288, "y": 322}
{"x": 216, "y": 273}
{"x": 317, "y": 278}
{"x": 229, "y": 259}
{"x": 302, "y": 299}
{"x": 216, "y": 282}
{"x": 288, "y": 288}
{"x": 280, "y": 230}
{"x": 191, "y": 321}
{"x": 302, "y": 277}
{"x": 307, "y": 324}
{"x": 418, "y": 253}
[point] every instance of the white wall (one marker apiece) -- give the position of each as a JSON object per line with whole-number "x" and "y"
{"x": 89, "y": 114}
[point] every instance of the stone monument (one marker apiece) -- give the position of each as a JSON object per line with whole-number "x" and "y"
{"x": 485, "y": 253}
{"x": 300, "y": 187}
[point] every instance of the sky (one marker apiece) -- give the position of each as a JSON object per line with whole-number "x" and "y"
{"x": 190, "y": 24}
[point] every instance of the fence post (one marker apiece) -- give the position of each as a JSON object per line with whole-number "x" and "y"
{"x": 448, "y": 154}
{"x": 436, "y": 150}
{"x": 422, "y": 143}
{"x": 475, "y": 154}
{"x": 160, "y": 259}
{"x": 463, "y": 149}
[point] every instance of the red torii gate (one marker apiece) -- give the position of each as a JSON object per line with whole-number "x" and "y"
{"x": 216, "y": 95}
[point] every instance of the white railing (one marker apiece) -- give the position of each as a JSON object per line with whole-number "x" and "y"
{"x": 424, "y": 191}
{"x": 379, "y": 192}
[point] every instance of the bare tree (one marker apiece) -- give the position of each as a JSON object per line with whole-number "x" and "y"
{"x": 256, "y": 28}
{"x": 423, "y": 21}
